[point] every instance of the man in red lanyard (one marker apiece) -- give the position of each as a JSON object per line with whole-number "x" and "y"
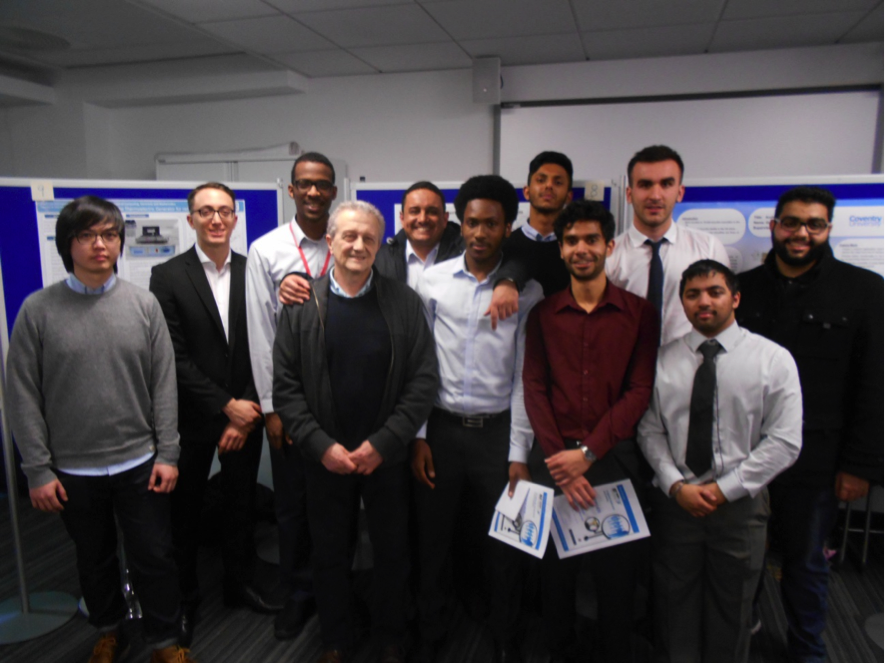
{"x": 297, "y": 247}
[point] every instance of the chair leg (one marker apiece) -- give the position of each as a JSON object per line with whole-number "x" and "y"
{"x": 866, "y": 530}
{"x": 844, "y": 546}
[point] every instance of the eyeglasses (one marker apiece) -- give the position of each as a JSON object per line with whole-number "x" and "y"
{"x": 304, "y": 186}
{"x": 88, "y": 237}
{"x": 814, "y": 225}
{"x": 206, "y": 213}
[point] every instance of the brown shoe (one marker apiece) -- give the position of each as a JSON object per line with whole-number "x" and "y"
{"x": 332, "y": 655}
{"x": 171, "y": 654}
{"x": 110, "y": 647}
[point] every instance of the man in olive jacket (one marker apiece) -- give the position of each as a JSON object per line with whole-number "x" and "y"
{"x": 828, "y": 314}
{"x": 355, "y": 376}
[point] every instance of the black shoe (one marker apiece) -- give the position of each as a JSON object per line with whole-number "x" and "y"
{"x": 245, "y": 594}
{"x": 186, "y": 624}
{"x": 507, "y": 652}
{"x": 294, "y": 616}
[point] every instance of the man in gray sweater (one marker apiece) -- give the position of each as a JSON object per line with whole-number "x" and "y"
{"x": 93, "y": 406}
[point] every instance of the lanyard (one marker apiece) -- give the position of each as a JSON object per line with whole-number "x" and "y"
{"x": 304, "y": 259}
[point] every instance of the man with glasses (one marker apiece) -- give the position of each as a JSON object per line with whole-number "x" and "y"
{"x": 92, "y": 403}
{"x": 297, "y": 250}
{"x": 828, "y": 314}
{"x": 203, "y": 296}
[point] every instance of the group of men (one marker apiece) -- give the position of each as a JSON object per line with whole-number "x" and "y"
{"x": 423, "y": 375}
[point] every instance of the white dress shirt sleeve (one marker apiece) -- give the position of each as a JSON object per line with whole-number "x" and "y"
{"x": 651, "y": 435}
{"x": 261, "y": 320}
{"x": 521, "y": 435}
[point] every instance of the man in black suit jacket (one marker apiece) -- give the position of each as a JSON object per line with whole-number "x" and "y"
{"x": 202, "y": 293}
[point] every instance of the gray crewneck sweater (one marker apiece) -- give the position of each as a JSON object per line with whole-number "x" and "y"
{"x": 91, "y": 380}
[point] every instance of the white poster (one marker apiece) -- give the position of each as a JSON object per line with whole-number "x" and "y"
{"x": 155, "y": 230}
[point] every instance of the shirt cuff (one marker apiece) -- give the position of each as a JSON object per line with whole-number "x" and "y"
{"x": 731, "y": 487}
{"x": 422, "y": 432}
{"x": 518, "y": 453}
{"x": 667, "y": 477}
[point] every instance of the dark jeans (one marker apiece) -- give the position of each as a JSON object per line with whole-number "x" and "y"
{"x": 144, "y": 520}
{"x": 803, "y": 517}
{"x": 290, "y": 505}
{"x": 333, "y": 509}
{"x": 239, "y": 473}
{"x": 465, "y": 458}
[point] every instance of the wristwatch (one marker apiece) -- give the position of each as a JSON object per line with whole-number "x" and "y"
{"x": 588, "y": 453}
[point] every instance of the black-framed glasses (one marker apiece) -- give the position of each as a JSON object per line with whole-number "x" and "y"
{"x": 88, "y": 237}
{"x": 303, "y": 186}
{"x": 206, "y": 213}
{"x": 814, "y": 225}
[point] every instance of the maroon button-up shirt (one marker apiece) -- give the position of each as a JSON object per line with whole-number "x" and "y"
{"x": 589, "y": 376}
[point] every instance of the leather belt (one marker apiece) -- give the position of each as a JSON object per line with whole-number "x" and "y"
{"x": 473, "y": 421}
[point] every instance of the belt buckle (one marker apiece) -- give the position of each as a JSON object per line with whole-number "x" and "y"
{"x": 472, "y": 422}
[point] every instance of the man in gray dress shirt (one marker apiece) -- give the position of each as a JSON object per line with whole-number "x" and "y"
{"x": 725, "y": 418}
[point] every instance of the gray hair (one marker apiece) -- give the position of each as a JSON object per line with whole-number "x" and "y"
{"x": 357, "y": 206}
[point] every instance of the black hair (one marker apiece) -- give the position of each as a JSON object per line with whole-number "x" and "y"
{"x": 706, "y": 267}
{"x": 429, "y": 186}
{"x": 489, "y": 187}
{"x": 82, "y": 214}
{"x": 549, "y": 157}
{"x": 807, "y": 195}
{"x": 210, "y": 185}
{"x": 585, "y": 211}
{"x": 653, "y": 154}
{"x": 313, "y": 158}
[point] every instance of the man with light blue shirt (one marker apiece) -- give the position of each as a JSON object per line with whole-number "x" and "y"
{"x": 725, "y": 419}
{"x": 93, "y": 407}
{"x": 478, "y": 413}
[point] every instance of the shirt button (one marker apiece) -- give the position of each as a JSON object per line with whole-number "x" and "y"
{"x": 586, "y": 372}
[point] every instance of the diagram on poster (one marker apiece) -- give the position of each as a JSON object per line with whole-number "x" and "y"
{"x": 155, "y": 231}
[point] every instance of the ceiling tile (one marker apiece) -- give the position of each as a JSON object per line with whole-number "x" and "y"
{"x": 766, "y": 8}
{"x": 415, "y": 57}
{"x": 200, "y": 11}
{"x": 607, "y": 15}
{"x": 528, "y": 50}
{"x": 324, "y": 63}
{"x": 647, "y": 42}
{"x": 375, "y": 26}
{"x": 782, "y": 32}
{"x": 270, "y": 34}
{"x": 869, "y": 29}
{"x": 488, "y": 19}
{"x": 297, "y": 6}
{"x": 129, "y": 54}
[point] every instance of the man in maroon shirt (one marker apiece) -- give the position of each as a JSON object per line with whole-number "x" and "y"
{"x": 589, "y": 369}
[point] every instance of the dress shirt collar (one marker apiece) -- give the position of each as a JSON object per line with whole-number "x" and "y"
{"x": 460, "y": 267}
{"x": 431, "y": 255}
{"x": 336, "y": 288}
{"x": 533, "y": 234}
{"x": 637, "y": 239}
{"x": 79, "y": 287}
{"x": 728, "y": 338}
{"x": 300, "y": 237}
{"x": 205, "y": 259}
{"x": 612, "y": 295}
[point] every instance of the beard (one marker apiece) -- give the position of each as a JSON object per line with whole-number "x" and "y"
{"x": 814, "y": 253}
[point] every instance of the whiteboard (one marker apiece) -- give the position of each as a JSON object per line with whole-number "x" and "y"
{"x": 828, "y": 133}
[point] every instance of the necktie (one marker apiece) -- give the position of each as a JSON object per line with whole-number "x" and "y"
{"x": 699, "y": 452}
{"x": 655, "y": 293}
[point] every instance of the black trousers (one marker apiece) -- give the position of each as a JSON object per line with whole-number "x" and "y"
{"x": 465, "y": 458}
{"x": 290, "y": 506}
{"x": 333, "y": 510}
{"x": 614, "y": 570}
{"x": 239, "y": 474}
{"x": 144, "y": 520}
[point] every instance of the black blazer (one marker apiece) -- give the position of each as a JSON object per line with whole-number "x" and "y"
{"x": 211, "y": 369}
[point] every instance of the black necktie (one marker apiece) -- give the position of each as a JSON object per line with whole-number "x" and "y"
{"x": 655, "y": 293}
{"x": 699, "y": 452}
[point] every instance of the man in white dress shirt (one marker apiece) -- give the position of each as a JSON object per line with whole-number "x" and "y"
{"x": 297, "y": 247}
{"x": 649, "y": 258}
{"x": 478, "y": 412}
{"x": 725, "y": 418}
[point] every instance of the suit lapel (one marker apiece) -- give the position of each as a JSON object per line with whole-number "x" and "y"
{"x": 197, "y": 276}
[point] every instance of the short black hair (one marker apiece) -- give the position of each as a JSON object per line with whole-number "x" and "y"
{"x": 653, "y": 154}
{"x": 706, "y": 267}
{"x": 549, "y": 157}
{"x": 585, "y": 211}
{"x": 807, "y": 195}
{"x": 313, "y": 158}
{"x": 429, "y": 186}
{"x": 82, "y": 214}
{"x": 489, "y": 187}
{"x": 210, "y": 185}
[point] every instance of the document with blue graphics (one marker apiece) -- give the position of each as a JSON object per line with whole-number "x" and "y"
{"x": 523, "y": 521}
{"x": 616, "y": 518}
